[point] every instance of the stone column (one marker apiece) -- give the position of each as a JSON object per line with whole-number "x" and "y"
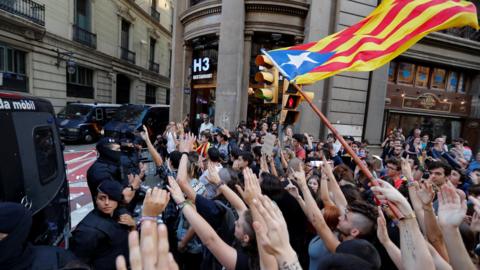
{"x": 177, "y": 65}
{"x": 377, "y": 92}
{"x": 246, "y": 75}
{"x": 318, "y": 25}
{"x": 230, "y": 64}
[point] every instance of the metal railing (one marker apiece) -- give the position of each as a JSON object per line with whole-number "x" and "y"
{"x": 127, "y": 55}
{"x": 153, "y": 67}
{"x": 27, "y": 9}
{"x": 85, "y": 37}
{"x": 464, "y": 32}
{"x": 155, "y": 14}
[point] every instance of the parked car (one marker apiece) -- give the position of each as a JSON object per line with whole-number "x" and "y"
{"x": 130, "y": 118}
{"x": 32, "y": 170}
{"x": 83, "y": 122}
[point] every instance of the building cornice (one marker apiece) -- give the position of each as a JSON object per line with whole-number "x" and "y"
{"x": 453, "y": 42}
{"x": 285, "y": 7}
{"x": 130, "y": 4}
{"x": 207, "y": 8}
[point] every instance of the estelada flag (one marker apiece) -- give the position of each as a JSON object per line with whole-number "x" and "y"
{"x": 392, "y": 28}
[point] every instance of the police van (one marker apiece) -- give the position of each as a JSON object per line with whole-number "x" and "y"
{"x": 32, "y": 169}
{"x": 83, "y": 122}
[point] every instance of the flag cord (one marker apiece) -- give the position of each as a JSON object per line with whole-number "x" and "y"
{"x": 389, "y": 205}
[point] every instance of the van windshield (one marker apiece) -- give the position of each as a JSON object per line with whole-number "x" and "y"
{"x": 129, "y": 114}
{"x": 75, "y": 111}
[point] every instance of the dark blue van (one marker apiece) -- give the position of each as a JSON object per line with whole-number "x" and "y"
{"x": 83, "y": 122}
{"x": 130, "y": 118}
{"x": 32, "y": 170}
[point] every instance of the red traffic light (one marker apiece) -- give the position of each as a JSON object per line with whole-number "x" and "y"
{"x": 292, "y": 102}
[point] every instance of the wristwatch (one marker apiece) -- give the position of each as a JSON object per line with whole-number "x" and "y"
{"x": 131, "y": 187}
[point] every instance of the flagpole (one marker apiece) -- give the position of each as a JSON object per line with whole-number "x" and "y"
{"x": 349, "y": 150}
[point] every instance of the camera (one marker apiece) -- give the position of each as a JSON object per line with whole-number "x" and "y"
{"x": 426, "y": 175}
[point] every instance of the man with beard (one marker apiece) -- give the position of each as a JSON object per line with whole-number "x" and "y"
{"x": 15, "y": 252}
{"x": 107, "y": 167}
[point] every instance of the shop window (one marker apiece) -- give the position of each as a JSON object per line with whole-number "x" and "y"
{"x": 439, "y": 78}
{"x": 405, "y": 73}
{"x": 80, "y": 83}
{"x": 461, "y": 83}
{"x": 46, "y": 154}
{"x": 421, "y": 78}
{"x": 391, "y": 71}
{"x": 452, "y": 82}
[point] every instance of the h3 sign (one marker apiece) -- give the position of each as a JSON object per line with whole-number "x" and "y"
{"x": 201, "y": 68}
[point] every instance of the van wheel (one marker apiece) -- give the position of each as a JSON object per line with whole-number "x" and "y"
{"x": 88, "y": 138}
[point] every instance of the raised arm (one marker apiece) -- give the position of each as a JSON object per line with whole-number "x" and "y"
{"x": 382, "y": 235}
{"x": 225, "y": 254}
{"x": 415, "y": 253}
{"x": 324, "y": 195}
{"x": 432, "y": 230}
{"x": 229, "y": 194}
{"x": 451, "y": 212}
{"x": 151, "y": 149}
{"x": 314, "y": 214}
{"x": 249, "y": 193}
{"x": 338, "y": 196}
{"x": 185, "y": 146}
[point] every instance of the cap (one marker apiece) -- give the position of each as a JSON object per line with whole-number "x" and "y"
{"x": 112, "y": 189}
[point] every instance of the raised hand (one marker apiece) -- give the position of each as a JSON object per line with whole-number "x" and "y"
{"x": 175, "y": 191}
{"x": 299, "y": 177}
{"x": 144, "y": 134}
{"x": 272, "y": 235}
{"x": 475, "y": 224}
{"x": 425, "y": 192}
{"x": 382, "y": 232}
{"x": 186, "y": 143}
{"x": 252, "y": 188}
{"x": 263, "y": 164}
{"x": 451, "y": 208}
{"x": 151, "y": 252}
{"x": 293, "y": 190}
{"x": 385, "y": 192}
{"x": 407, "y": 169}
{"x": 213, "y": 176}
{"x": 155, "y": 202}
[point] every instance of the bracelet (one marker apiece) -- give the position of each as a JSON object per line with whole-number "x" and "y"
{"x": 182, "y": 204}
{"x": 148, "y": 218}
{"x": 219, "y": 184}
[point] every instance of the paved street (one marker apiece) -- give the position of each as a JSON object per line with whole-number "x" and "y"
{"x": 78, "y": 159}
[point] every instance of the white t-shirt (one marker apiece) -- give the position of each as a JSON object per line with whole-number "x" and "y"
{"x": 171, "y": 146}
{"x": 206, "y": 126}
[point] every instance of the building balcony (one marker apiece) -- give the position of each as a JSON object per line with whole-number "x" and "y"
{"x": 154, "y": 67}
{"x": 83, "y": 36}
{"x": 464, "y": 32}
{"x": 127, "y": 55}
{"x": 26, "y": 9}
{"x": 155, "y": 14}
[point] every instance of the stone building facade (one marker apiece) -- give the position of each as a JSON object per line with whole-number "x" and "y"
{"x": 215, "y": 43}
{"x": 115, "y": 51}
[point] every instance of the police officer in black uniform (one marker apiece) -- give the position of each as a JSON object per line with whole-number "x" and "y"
{"x": 15, "y": 251}
{"x": 103, "y": 234}
{"x": 107, "y": 167}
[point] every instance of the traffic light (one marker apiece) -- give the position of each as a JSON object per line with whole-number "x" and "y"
{"x": 290, "y": 101}
{"x": 268, "y": 77}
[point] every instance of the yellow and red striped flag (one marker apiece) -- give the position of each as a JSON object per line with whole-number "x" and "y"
{"x": 392, "y": 28}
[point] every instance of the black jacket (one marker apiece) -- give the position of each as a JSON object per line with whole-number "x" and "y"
{"x": 102, "y": 170}
{"x": 99, "y": 239}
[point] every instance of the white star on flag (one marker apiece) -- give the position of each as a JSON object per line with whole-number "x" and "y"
{"x": 298, "y": 60}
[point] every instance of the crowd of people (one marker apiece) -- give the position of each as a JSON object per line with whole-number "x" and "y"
{"x": 224, "y": 199}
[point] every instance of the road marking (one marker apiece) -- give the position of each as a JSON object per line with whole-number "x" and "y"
{"x": 78, "y": 214}
{"x": 78, "y": 158}
{"x": 89, "y": 161}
